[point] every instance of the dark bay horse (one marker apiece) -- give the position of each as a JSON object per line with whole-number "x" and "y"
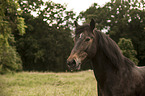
{"x": 116, "y": 75}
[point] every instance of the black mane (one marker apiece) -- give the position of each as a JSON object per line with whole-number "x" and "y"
{"x": 111, "y": 50}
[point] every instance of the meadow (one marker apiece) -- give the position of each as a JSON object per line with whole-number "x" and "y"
{"x": 48, "y": 84}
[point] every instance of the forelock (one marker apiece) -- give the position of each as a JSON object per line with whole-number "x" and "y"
{"x": 80, "y": 29}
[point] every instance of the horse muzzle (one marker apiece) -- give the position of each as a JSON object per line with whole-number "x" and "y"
{"x": 73, "y": 64}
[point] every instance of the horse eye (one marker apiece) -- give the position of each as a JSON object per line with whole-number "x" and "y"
{"x": 88, "y": 39}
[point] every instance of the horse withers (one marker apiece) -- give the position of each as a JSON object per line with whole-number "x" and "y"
{"x": 116, "y": 75}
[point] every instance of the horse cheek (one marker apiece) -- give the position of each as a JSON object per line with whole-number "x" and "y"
{"x": 91, "y": 50}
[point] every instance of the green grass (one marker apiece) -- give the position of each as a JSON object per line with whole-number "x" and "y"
{"x": 48, "y": 84}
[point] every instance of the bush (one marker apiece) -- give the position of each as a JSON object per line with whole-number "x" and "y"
{"x": 128, "y": 50}
{"x": 9, "y": 59}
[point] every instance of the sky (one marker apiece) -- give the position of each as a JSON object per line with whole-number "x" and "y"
{"x": 76, "y": 5}
{"x": 80, "y": 5}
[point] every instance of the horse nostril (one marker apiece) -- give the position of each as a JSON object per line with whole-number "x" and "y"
{"x": 74, "y": 62}
{"x": 71, "y": 63}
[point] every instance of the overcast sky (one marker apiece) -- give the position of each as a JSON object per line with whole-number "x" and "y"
{"x": 76, "y": 5}
{"x": 80, "y": 5}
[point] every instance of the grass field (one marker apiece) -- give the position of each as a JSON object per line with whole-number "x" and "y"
{"x": 48, "y": 84}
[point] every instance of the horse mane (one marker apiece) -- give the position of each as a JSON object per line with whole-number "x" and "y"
{"x": 112, "y": 51}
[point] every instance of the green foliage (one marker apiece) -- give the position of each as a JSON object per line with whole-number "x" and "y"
{"x": 48, "y": 84}
{"x": 21, "y": 25}
{"x": 43, "y": 42}
{"x": 127, "y": 49}
{"x": 47, "y": 42}
{"x": 9, "y": 58}
{"x": 121, "y": 19}
{"x": 44, "y": 48}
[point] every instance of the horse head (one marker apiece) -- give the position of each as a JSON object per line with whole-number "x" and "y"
{"x": 84, "y": 45}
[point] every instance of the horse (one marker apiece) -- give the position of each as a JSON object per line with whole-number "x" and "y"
{"x": 115, "y": 74}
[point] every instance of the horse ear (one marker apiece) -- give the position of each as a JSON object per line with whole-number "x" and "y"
{"x": 76, "y": 24}
{"x": 92, "y": 24}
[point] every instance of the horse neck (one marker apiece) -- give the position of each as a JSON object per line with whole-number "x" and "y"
{"x": 101, "y": 66}
{"x": 108, "y": 58}
{"x": 107, "y": 68}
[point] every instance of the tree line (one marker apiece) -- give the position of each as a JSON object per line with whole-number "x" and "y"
{"x": 44, "y": 42}
{"x": 31, "y": 43}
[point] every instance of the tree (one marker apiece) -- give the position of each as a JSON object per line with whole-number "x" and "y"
{"x": 127, "y": 49}
{"x": 121, "y": 19}
{"x": 10, "y": 22}
{"x": 48, "y": 41}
